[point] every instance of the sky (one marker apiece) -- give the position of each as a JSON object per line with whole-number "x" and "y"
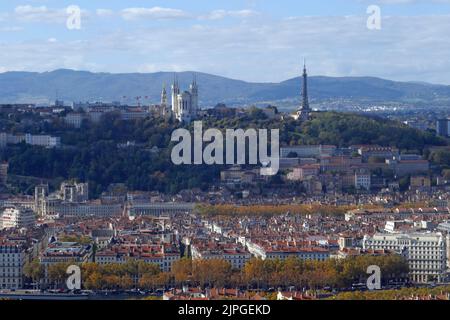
{"x": 252, "y": 40}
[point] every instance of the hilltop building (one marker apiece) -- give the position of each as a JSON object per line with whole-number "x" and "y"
{"x": 184, "y": 104}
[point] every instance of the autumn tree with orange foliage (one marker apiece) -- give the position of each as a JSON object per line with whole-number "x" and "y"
{"x": 270, "y": 210}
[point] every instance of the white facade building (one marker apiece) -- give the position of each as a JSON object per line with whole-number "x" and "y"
{"x": 134, "y": 210}
{"x": 259, "y": 251}
{"x": 426, "y": 253}
{"x": 237, "y": 257}
{"x": 80, "y": 210}
{"x": 35, "y": 140}
{"x": 362, "y": 180}
{"x": 163, "y": 260}
{"x": 17, "y": 217}
{"x": 74, "y": 119}
{"x": 74, "y": 192}
{"x": 64, "y": 252}
{"x": 185, "y": 104}
{"x": 12, "y": 261}
{"x": 307, "y": 151}
{"x": 43, "y": 140}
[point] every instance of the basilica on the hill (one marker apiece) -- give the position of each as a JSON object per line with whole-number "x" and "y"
{"x": 184, "y": 106}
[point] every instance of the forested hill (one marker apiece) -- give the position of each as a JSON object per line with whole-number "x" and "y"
{"x": 345, "y": 129}
{"x": 338, "y": 128}
{"x": 92, "y": 154}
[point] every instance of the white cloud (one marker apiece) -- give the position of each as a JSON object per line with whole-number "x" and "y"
{"x": 221, "y": 14}
{"x": 260, "y": 49}
{"x": 104, "y": 12}
{"x": 156, "y": 13}
{"x": 334, "y": 46}
{"x": 175, "y": 67}
{"x": 396, "y": 2}
{"x": 159, "y": 13}
{"x": 44, "y": 14}
{"x": 39, "y": 14}
{"x": 11, "y": 29}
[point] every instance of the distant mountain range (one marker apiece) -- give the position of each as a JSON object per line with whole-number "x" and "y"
{"x": 69, "y": 85}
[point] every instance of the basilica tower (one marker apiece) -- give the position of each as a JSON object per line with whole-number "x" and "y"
{"x": 175, "y": 93}
{"x": 164, "y": 107}
{"x": 193, "y": 89}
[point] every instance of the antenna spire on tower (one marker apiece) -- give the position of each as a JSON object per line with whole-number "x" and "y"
{"x": 303, "y": 112}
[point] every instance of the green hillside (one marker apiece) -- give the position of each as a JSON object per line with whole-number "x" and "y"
{"x": 91, "y": 154}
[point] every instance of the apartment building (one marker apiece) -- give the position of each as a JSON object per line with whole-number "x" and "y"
{"x": 74, "y": 119}
{"x": 12, "y": 261}
{"x": 307, "y": 253}
{"x": 340, "y": 164}
{"x": 42, "y": 140}
{"x": 134, "y": 210}
{"x": 283, "y": 250}
{"x": 17, "y": 217}
{"x": 304, "y": 172}
{"x": 362, "y": 179}
{"x": 307, "y": 151}
{"x": 54, "y": 207}
{"x": 72, "y": 200}
{"x": 235, "y": 254}
{"x": 426, "y": 253}
{"x": 160, "y": 254}
{"x": 374, "y": 151}
{"x": 64, "y": 252}
{"x": 237, "y": 176}
{"x": 88, "y": 209}
{"x": 406, "y": 167}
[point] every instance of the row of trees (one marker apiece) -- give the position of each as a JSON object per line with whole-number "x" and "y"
{"x": 442, "y": 157}
{"x": 401, "y": 294}
{"x": 270, "y": 210}
{"x": 318, "y": 274}
{"x": 219, "y": 273}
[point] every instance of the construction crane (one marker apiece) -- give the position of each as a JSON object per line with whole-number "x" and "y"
{"x": 123, "y": 100}
{"x": 138, "y": 99}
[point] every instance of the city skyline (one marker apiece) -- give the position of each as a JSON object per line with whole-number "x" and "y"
{"x": 232, "y": 39}
{"x": 240, "y": 151}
